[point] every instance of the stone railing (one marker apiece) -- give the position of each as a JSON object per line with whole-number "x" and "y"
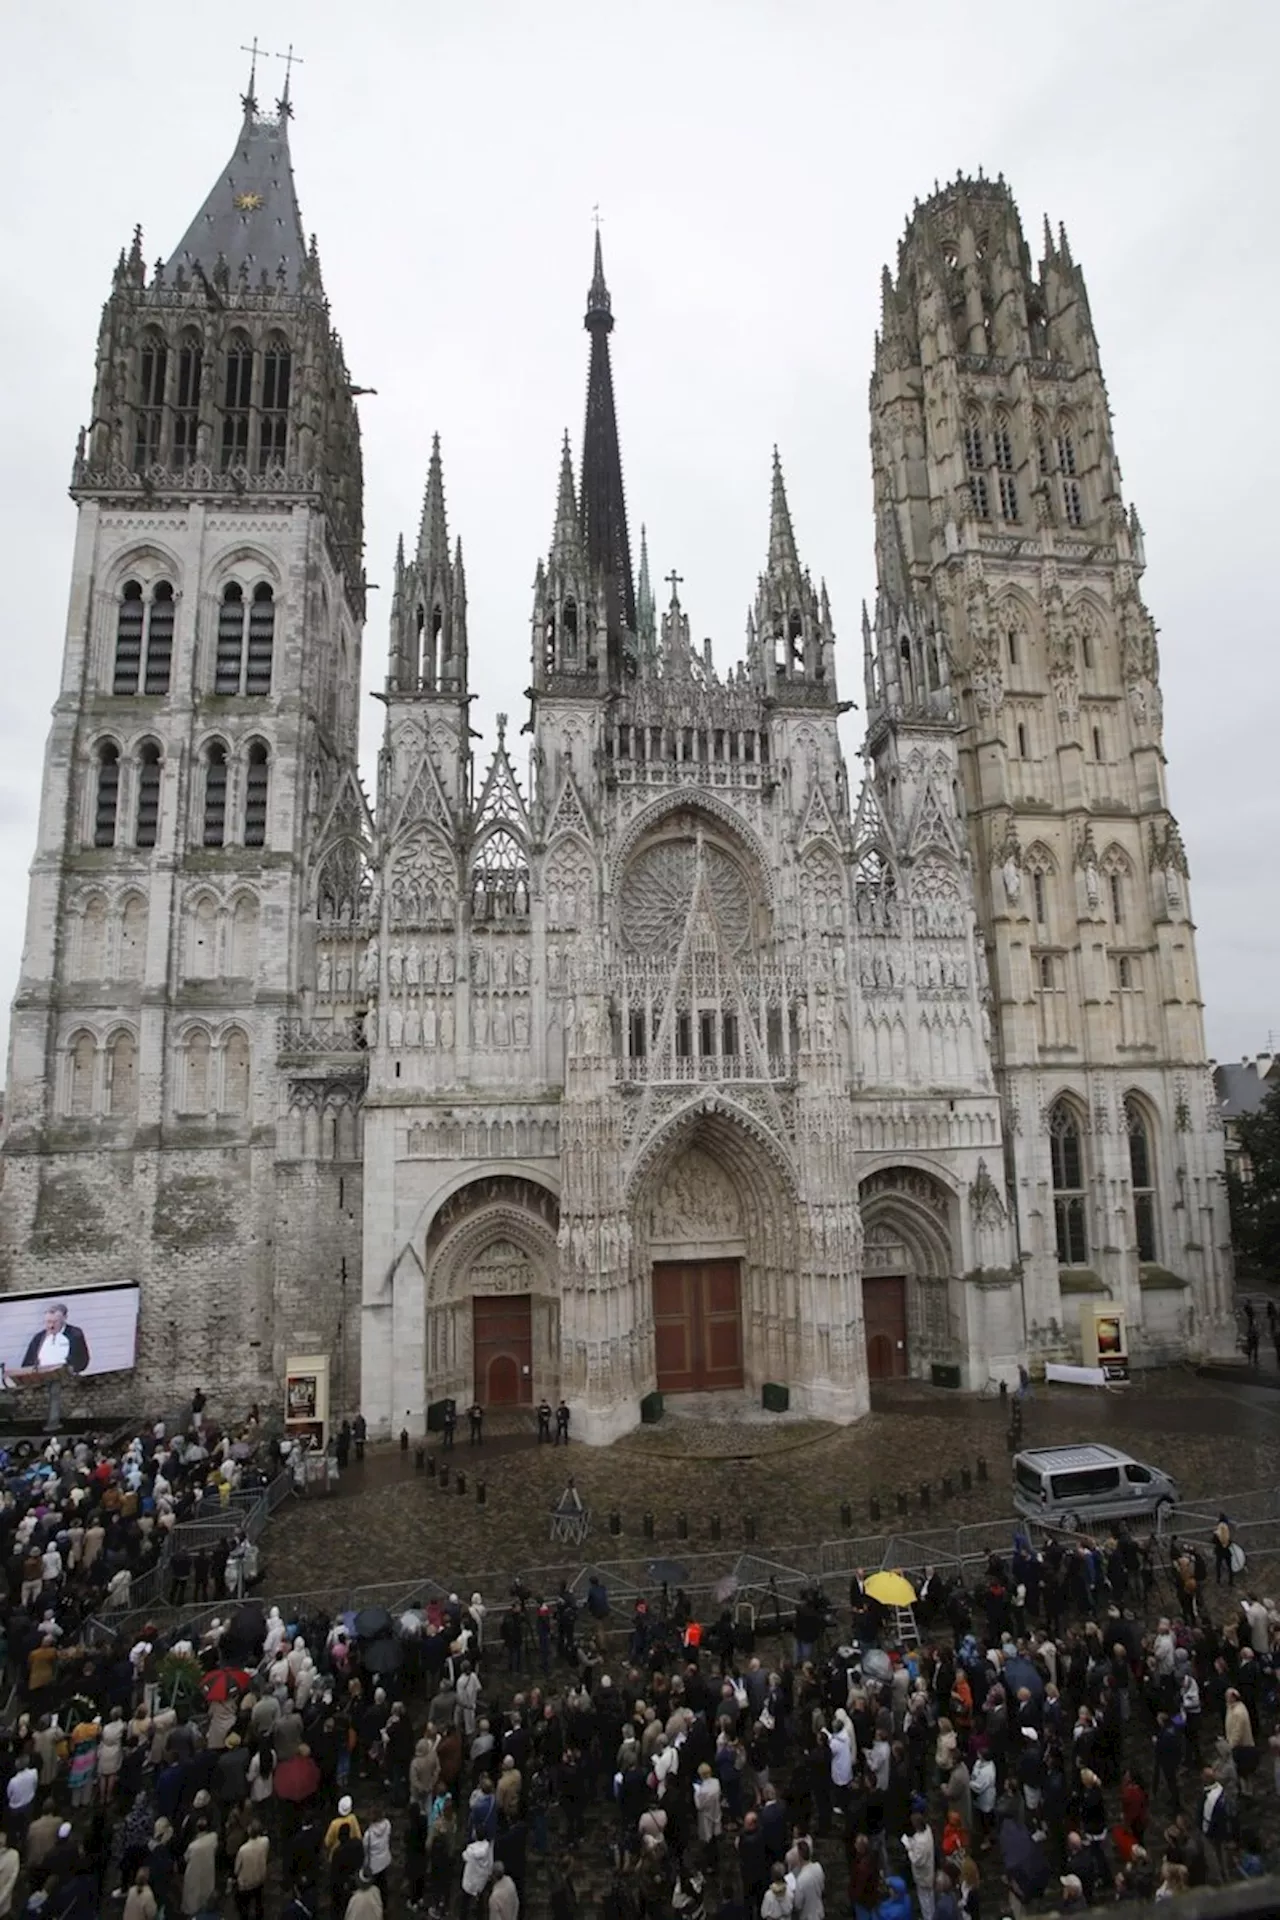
{"x": 721, "y": 1069}
{"x": 321, "y": 1036}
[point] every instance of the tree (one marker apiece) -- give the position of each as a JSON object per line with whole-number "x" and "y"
{"x": 1253, "y": 1187}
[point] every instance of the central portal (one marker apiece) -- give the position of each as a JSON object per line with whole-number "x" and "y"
{"x": 697, "y": 1325}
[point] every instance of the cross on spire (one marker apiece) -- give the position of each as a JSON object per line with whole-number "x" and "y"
{"x": 674, "y": 581}
{"x": 291, "y": 60}
{"x": 250, "y": 99}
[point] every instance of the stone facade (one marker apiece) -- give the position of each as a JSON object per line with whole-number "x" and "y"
{"x": 662, "y": 1059}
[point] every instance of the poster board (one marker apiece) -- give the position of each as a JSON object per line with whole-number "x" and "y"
{"x": 1104, "y": 1338}
{"x": 306, "y": 1398}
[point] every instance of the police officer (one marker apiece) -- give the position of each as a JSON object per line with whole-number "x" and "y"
{"x": 544, "y": 1421}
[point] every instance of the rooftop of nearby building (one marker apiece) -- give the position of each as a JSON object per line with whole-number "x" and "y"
{"x": 1243, "y": 1085}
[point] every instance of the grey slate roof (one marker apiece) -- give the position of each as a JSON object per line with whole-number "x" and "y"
{"x": 1240, "y": 1088}
{"x": 251, "y": 213}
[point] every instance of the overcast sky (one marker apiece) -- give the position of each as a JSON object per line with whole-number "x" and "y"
{"x": 754, "y": 162}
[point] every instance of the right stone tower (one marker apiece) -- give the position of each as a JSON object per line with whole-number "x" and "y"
{"x": 1001, "y": 531}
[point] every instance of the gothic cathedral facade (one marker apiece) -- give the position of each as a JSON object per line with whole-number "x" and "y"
{"x": 663, "y": 1058}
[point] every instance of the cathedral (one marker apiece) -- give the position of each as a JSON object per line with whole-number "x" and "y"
{"x": 650, "y": 1052}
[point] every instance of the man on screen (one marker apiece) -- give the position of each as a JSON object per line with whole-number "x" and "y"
{"x": 60, "y": 1344}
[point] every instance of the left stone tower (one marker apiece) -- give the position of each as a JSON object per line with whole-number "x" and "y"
{"x": 204, "y": 734}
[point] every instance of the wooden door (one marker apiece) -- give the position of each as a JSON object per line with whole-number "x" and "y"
{"x": 884, "y": 1309}
{"x": 697, "y": 1316}
{"x": 503, "y": 1344}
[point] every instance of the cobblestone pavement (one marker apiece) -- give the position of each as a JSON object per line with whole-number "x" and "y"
{"x": 391, "y": 1522}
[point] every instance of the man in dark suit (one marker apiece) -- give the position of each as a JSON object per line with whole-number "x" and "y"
{"x": 59, "y": 1345}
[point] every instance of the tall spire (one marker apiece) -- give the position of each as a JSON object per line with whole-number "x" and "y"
{"x": 566, "y": 537}
{"x": 782, "y": 539}
{"x": 250, "y": 218}
{"x": 433, "y": 533}
{"x": 646, "y": 610}
{"x": 603, "y": 507}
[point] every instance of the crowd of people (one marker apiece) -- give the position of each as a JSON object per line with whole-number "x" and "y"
{"x": 1062, "y": 1735}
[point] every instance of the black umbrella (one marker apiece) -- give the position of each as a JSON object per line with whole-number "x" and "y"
{"x": 382, "y": 1656}
{"x": 247, "y": 1630}
{"x": 371, "y": 1622}
{"x": 668, "y": 1573}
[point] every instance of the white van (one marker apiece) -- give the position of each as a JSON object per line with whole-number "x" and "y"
{"x": 1075, "y": 1486}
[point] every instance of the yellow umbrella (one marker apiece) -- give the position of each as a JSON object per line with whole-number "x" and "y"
{"x": 890, "y": 1589}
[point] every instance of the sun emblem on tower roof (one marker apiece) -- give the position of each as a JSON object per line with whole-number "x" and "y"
{"x": 247, "y": 202}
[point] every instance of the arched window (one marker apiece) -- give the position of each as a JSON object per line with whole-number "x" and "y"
{"x": 1040, "y": 896}
{"x": 569, "y": 630}
{"x": 144, "y": 628}
{"x": 153, "y": 360}
{"x": 976, "y": 462}
{"x": 215, "y": 795}
{"x": 1115, "y": 886}
{"x": 204, "y": 940}
{"x": 159, "y": 639}
{"x": 1067, "y": 1159}
{"x": 186, "y": 408}
{"x": 133, "y": 937}
{"x": 246, "y": 641}
{"x": 256, "y": 782}
{"x": 273, "y": 436}
{"x": 237, "y": 390}
{"x": 122, "y": 1076}
{"x": 1002, "y": 441}
{"x": 235, "y": 1073}
{"x": 230, "y": 657}
{"x": 242, "y": 960}
{"x": 106, "y": 795}
{"x": 195, "y": 1077}
{"x": 148, "y": 795}
{"x": 1044, "y": 459}
{"x": 1072, "y": 499}
{"x": 262, "y": 628}
{"x": 92, "y": 954}
{"x": 81, "y": 1065}
{"x": 1142, "y": 1179}
{"x": 130, "y": 623}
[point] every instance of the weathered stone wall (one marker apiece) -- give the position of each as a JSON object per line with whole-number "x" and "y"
{"x": 236, "y": 1256}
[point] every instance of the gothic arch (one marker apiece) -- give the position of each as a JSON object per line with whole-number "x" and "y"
{"x": 914, "y": 1201}
{"x": 1014, "y": 601}
{"x": 823, "y": 890}
{"x": 695, "y": 800}
{"x": 1039, "y": 858}
{"x": 569, "y": 869}
{"x": 1116, "y": 860}
{"x": 147, "y": 562}
{"x": 447, "y": 1271}
{"x": 722, "y": 1124}
{"x": 247, "y": 565}
{"x": 1067, "y": 1096}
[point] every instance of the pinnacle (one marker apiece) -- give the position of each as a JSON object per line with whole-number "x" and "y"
{"x": 433, "y": 535}
{"x": 566, "y": 533}
{"x": 782, "y": 540}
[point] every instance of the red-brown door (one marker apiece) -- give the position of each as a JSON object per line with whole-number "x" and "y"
{"x": 503, "y": 1339}
{"x": 697, "y": 1315}
{"x": 884, "y": 1309}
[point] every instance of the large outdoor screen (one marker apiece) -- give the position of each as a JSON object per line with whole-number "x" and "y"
{"x": 84, "y": 1330}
